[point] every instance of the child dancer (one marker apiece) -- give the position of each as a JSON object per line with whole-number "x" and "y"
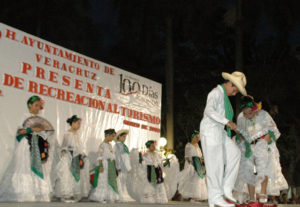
{"x": 154, "y": 190}
{"x": 122, "y": 163}
{"x": 27, "y": 178}
{"x": 257, "y": 139}
{"x": 107, "y": 187}
{"x": 73, "y": 168}
{"x": 192, "y": 182}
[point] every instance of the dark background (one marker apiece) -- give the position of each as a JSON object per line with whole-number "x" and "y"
{"x": 131, "y": 34}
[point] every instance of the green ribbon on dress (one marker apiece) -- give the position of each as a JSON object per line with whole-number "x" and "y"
{"x": 112, "y": 175}
{"x": 35, "y": 157}
{"x": 75, "y": 168}
{"x": 198, "y": 166}
{"x": 273, "y": 138}
{"x": 21, "y": 136}
{"x": 153, "y": 176}
{"x": 124, "y": 147}
{"x": 140, "y": 158}
{"x": 228, "y": 111}
{"x": 248, "y": 152}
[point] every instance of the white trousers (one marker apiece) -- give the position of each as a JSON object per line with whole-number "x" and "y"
{"x": 222, "y": 164}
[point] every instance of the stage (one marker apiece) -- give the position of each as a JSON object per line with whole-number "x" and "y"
{"x": 94, "y": 204}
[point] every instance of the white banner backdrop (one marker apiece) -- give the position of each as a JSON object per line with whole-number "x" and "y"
{"x": 70, "y": 83}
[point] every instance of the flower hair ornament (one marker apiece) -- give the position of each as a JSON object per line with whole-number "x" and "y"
{"x": 33, "y": 99}
{"x": 251, "y": 104}
{"x": 42, "y": 103}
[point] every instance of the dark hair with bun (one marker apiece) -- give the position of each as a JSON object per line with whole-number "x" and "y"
{"x": 74, "y": 118}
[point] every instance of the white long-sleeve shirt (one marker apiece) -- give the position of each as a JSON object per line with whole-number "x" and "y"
{"x": 214, "y": 120}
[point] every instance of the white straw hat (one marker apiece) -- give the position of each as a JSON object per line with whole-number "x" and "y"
{"x": 238, "y": 79}
{"x": 126, "y": 131}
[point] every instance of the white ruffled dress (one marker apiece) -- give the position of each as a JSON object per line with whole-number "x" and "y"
{"x": 153, "y": 194}
{"x": 265, "y": 157}
{"x": 103, "y": 191}
{"x": 20, "y": 183}
{"x": 138, "y": 185}
{"x": 66, "y": 185}
{"x": 190, "y": 184}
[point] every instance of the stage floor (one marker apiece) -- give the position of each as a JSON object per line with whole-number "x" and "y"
{"x": 94, "y": 204}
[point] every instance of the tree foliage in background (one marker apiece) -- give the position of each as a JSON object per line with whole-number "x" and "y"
{"x": 204, "y": 46}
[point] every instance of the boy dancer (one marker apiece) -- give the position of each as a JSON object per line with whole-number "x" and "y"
{"x": 221, "y": 155}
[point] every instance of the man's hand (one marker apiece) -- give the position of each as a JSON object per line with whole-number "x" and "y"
{"x": 101, "y": 169}
{"x": 231, "y": 125}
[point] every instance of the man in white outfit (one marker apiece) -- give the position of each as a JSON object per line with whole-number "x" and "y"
{"x": 221, "y": 155}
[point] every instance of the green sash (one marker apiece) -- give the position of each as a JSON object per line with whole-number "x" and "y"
{"x": 228, "y": 111}
{"x": 140, "y": 158}
{"x": 112, "y": 175}
{"x": 125, "y": 147}
{"x": 153, "y": 176}
{"x": 248, "y": 152}
{"x": 21, "y": 136}
{"x": 273, "y": 138}
{"x": 35, "y": 157}
{"x": 198, "y": 166}
{"x": 75, "y": 168}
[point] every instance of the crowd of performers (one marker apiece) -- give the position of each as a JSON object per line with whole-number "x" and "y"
{"x": 42, "y": 170}
{"x": 241, "y": 169}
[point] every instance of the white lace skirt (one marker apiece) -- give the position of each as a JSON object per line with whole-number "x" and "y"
{"x": 191, "y": 185}
{"x": 66, "y": 185}
{"x": 153, "y": 194}
{"x": 19, "y": 183}
{"x": 171, "y": 177}
{"x": 104, "y": 192}
{"x": 265, "y": 158}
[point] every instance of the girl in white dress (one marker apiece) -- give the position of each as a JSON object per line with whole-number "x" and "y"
{"x": 153, "y": 187}
{"x": 123, "y": 164}
{"x": 260, "y": 168}
{"x": 73, "y": 168}
{"x": 27, "y": 178}
{"x": 192, "y": 182}
{"x": 106, "y": 188}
